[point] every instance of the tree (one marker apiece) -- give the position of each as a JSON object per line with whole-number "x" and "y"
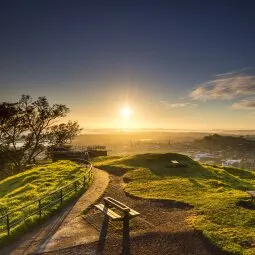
{"x": 28, "y": 128}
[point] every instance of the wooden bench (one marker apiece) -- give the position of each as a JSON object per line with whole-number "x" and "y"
{"x": 252, "y": 194}
{"x": 107, "y": 211}
{"x": 124, "y": 213}
{"x": 111, "y": 203}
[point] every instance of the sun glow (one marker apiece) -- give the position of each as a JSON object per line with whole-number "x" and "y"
{"x": 126, "y": 112}
{"x": 127, "y": 118}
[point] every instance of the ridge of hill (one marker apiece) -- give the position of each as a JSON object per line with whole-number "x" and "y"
{"x": 217, "y": 142}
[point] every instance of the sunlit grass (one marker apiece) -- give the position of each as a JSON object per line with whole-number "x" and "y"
{"x": 223, "y": 211}
{"x": 20, "y": 190}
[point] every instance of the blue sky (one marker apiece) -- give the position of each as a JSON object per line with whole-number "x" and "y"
{"x": 176, "y": 64}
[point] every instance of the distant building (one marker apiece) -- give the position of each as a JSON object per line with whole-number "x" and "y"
{"x": 231, "y": 162}
{"x": 199, "y": 156}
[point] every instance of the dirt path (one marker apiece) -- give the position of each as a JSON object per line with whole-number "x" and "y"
{"x": 67, "y": 227}
{"x": 161, "y": 229}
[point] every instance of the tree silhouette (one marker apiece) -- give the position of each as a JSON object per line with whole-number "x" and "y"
{"x": 27, "y": 128}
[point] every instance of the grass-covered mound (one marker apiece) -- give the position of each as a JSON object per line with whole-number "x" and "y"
{"x": 21, "y": 189}
{"x": 223, "y": 211}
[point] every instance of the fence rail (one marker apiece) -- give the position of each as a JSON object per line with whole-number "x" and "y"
{"x": 87, "y": 147}
{"x": 41, "y": 205}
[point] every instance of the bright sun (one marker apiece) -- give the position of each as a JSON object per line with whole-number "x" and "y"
{"x": 126, "y": 112}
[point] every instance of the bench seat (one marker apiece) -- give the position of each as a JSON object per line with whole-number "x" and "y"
{"x": 113, "y": 215}
{"x": 109, "y": 201}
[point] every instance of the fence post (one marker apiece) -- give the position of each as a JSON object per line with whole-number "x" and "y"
{"x": 75, "y": 186}
{"x": 61, "y": 197}
{"x": 40, "y": 208}
{"x": 84, "y": 181}
{"x": 8, "y": 224}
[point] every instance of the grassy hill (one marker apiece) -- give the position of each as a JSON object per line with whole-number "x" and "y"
{"x": 21, "y": 189}
{"x": 222, "y": 210}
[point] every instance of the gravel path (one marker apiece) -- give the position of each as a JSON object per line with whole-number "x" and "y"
{"x": 74, "y": 230}
{"x": 161, "y": 228}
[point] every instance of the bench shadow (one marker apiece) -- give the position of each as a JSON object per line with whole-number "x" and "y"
{"x": 150, "y": 243}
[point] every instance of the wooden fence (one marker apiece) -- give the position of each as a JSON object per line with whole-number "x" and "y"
{"x": 87, "y": 148}
{"x": 44, "y": 204}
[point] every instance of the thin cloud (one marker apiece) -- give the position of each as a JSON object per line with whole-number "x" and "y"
{"x": 168, "y": 105}
{"x": 226, "y": 74}
{"x": 225, "y": 87}
{"x": 236, "y": 72}
{"x": 245, "y": 104}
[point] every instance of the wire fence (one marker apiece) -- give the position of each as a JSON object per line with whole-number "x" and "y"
{"x": 43, "y": 205}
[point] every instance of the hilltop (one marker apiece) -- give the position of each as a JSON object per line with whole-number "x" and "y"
{"x": 222, "y": 210}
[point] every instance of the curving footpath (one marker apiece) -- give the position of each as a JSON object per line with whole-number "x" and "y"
{"x": 67, "y": 228}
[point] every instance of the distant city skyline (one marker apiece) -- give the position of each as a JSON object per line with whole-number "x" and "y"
{"x": 173, "y": 65}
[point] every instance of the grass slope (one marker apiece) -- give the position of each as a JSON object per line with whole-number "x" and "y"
{"x": 223, "y": 211}
{"x": 23, "y": 188}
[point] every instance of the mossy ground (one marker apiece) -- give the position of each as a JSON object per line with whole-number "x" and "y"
{"x": 223, "y": 211}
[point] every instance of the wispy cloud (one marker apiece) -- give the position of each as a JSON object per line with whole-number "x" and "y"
{"x": 168, "y": 105}
{"x": 245, "y": 104}
{"x": 231, "y": 73}
{"x": 226, "y": 86}
{"x": 226, "y": 74}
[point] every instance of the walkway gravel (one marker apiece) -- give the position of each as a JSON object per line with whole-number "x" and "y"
{"x": 74, "y": 230}
{"x": 161, "y": 229}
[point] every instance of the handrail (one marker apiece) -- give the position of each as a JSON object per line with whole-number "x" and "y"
{"x": 38, "y": 200}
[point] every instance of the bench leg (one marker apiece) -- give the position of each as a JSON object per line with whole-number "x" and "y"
{"x": 102, "y": 237}
{"x": 126, "y": 236}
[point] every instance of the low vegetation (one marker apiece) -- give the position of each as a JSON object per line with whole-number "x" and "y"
{"x": 21, "y": 189}
{"x": 223, "y": 211}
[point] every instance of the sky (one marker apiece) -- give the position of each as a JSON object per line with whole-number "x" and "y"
{"x": 173, "y": 64}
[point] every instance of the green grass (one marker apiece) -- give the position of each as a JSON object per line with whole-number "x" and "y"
{"x": 222, "y": 210}
{"x": 21, "y": 189}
